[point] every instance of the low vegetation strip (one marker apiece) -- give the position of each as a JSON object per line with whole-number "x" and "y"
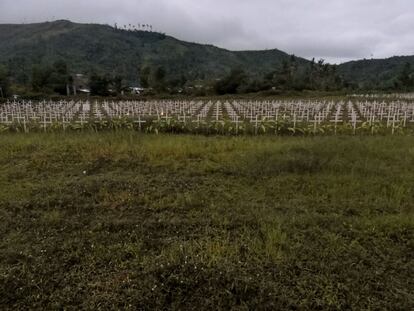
{"x": 130, "y": 221}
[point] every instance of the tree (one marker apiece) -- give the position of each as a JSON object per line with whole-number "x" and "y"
{"x": 282, "y": 77}
{"x": 159, "y": 74}
{"x": 59, "y": 78}
{"x": 405, "y": 79}
{"x": 145, "y": 76}
{"x": 98, "y": 85}
{"x": 60, "y": 67}
{"x": 19, "y": 69}
{"x": 117, "y": 84}
{"x": 51, "y": 79}
{"x": 158, "y": 79}
{"x": 178, "y": 82}
{"x": 231, "y": 83}
{"x": 4, "y": 81}
{"x": 40, "y": 75}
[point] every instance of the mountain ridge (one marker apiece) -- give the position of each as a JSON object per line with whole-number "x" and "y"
{"x": 105, "y": 49}
{"x": 90, "y": 47}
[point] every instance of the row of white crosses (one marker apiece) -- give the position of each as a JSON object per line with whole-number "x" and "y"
{"x": 394, "y": 111}
{"x": 216, "y": 111}
{"x": 256, "y": 112}
{"x": 407, "y": 96}
{"x": 84, "y": 114}
{"x": 44, "y": 112}
{"x": 353, "y": 115}
{"x": 141, "y": 111}
{"x": 336, "y": 114}
{"x": 156, "y": 109}
{"x": 314, "y": 112}
{"x": 203, "y": 113}
{"x": 17, "y": 111}
{"x": 97, "y": 112}
{"x": 298, "y": 111}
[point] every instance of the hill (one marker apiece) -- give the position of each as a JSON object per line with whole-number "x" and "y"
{"x": 104, "y": 49}
{"x": 376, "y": 73}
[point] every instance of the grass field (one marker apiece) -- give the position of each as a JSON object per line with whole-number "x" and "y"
{"x": 130, "y": 221}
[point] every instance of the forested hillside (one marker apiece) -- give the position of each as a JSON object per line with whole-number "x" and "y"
{"x": 44, "y": 57}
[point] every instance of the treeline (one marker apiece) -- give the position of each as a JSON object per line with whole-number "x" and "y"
{"x": 289, "y": 76}
{"x": 405, "y": 80}
{"x": 46, "y": 79}
{"x": 57, "y": 79}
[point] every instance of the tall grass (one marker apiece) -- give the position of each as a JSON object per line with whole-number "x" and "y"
{"x": 124, "y": 220}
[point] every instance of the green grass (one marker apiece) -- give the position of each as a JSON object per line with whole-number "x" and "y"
{"x": 129, "y": 221}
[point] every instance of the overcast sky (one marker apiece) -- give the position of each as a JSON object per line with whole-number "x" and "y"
{"x": 336, "y": 30}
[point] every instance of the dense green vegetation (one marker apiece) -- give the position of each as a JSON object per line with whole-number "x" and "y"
{"x": 105, "y": 50}
{"x": 129, "y": 221}
{"x": 395, "y": 73}
{"x": 4, "y": 81}
{"x": 115, "y": 58}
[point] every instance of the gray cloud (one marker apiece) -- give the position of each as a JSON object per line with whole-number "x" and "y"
{"x": 336, "y": 30}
